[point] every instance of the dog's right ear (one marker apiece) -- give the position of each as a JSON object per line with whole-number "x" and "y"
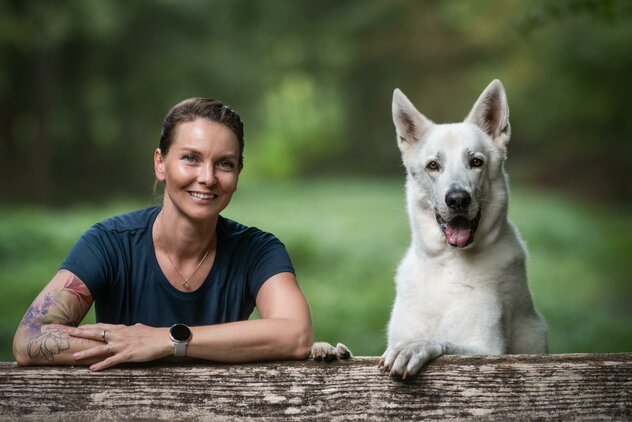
{"x": 410, "y": 124}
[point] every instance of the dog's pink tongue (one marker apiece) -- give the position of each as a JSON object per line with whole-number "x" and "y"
{"x": 457, "y": 236}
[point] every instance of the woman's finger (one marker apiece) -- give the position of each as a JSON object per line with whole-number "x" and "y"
{"x": 99, "y": 326}
{"x": 98, "y": 332}
{"x": 98, "y": 351}
{"x": 83, "y": 332}
{"x": 106, "y": 363}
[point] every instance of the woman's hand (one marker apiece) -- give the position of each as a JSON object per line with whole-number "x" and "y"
{"x": 122, "y": 343}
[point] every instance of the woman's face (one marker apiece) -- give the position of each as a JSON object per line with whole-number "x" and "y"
{"x": 200, "y": 170}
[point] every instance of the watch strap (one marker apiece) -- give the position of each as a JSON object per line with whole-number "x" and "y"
{"x": 180, "y": 348}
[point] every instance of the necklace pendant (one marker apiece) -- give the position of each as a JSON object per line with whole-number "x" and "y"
{"x": 185, "y": 281}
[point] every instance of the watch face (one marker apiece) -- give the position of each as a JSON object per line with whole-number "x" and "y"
{"x": 180, "y": 332}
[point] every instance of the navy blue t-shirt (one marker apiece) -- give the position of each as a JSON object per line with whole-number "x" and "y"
{"x": 117, "y": 262}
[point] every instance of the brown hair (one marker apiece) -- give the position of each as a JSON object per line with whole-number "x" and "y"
{"x": 205, "y": 108}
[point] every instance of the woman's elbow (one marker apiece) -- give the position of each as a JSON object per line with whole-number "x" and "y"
{"x": 303, "y": 344}
{"x": 301, "y": 352}
{"x": 22, "y": 360}
{"x": 21, "y": 346}
{"x": 20, "y": 354}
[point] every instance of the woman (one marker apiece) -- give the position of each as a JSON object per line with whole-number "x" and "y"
{"x": 178, "y": 279}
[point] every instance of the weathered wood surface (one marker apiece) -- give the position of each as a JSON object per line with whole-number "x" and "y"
{"x": 560, "y": 387}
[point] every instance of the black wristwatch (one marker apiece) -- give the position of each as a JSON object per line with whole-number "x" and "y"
{"x": 180, "y": 334}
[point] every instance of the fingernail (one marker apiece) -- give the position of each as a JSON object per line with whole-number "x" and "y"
{"x": 77, "y": 355}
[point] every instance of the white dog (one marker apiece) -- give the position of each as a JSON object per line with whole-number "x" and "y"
{"x": 462, "y": 285}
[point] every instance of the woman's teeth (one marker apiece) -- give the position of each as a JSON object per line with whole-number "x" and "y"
{"x": 202, "y": 195}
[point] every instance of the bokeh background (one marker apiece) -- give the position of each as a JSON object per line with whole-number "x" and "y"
{"x": 84, "y": 86}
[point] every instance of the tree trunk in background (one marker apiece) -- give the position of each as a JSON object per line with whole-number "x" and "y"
{"x": 38, "y": 155}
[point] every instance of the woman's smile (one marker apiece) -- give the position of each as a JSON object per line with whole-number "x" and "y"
{"x": 203, "y": 196}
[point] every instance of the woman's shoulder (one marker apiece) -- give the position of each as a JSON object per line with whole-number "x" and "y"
{"x": 129, "y": 221}
{"x": 231, "y": 229}
{"x": 252, "y": 249}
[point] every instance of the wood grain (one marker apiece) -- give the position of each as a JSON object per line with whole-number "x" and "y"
{"x": 561, "y": 387}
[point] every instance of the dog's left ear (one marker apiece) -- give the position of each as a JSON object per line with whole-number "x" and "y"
{"x": 491, "y": 114}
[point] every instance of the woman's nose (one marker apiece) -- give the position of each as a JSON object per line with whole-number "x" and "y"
{"x": 207, "y": 175}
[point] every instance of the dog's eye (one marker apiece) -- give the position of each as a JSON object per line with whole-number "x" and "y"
{"x": 433, "y": 165}
{"x": 476, "y": 162}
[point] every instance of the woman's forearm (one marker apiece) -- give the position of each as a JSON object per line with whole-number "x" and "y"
{"x": 253, "y": 340}
{"x": 51, "y": 345}
{"x": 244, "y": 341}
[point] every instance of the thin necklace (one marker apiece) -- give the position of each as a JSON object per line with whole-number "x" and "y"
{"x": 185, "y": 280}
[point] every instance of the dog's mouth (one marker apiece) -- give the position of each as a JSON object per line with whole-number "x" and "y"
{"x": 459, "y": 231}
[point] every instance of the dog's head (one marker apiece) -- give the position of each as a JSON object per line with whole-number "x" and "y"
{"x": 454, "y": 170}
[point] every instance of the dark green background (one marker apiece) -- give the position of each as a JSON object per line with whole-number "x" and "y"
{"x": 84, "y": 86}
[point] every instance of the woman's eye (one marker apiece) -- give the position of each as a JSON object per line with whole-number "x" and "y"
{"x": 433, "y": 165}
{"x": 476, "y": 162}
{"x": 227, "y": 165}
{"x": 189, "y": 158}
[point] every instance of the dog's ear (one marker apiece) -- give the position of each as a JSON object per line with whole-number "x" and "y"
{"x": 410, "y": 124}
{"x": 491, "y": 114}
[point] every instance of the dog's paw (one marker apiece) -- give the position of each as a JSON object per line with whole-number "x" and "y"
{"x": 325, "y": 351}
{"x": 406, "y": 358}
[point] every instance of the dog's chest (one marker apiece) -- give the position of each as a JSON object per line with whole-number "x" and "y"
{"x": 449, "y": 277}
{"x": 444, "y": 297}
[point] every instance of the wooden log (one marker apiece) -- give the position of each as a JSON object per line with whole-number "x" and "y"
{"x": 561, "y": 387}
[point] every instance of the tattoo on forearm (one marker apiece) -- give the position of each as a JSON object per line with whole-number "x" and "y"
{"x": 48, "y": 344}
{"x": 65, "y": 306}
{"x": 35, "y": 314}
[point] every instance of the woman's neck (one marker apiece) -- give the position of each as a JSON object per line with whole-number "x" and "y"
{"x": 183, "y": 237}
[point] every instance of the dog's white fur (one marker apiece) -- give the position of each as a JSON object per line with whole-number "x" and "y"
{"x": 468, "y": 299}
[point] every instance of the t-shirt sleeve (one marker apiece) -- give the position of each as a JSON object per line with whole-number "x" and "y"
{"x": 90, "y": 260}
{"x": 270, "y": 258}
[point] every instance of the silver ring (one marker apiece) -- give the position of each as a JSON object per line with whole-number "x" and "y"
{"x": 103, "y": 336}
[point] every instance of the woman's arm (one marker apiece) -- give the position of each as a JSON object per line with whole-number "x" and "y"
{"x": 283, "y": 332}
{"x": 41, "y": 337}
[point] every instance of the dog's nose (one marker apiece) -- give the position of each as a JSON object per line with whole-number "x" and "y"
{"x": 458, "y": 199}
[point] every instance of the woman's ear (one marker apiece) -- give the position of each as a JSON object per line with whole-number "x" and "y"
{"x": 159, "y": 165}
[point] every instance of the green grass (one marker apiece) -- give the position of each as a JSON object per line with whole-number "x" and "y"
{"x": 346, "y": 238}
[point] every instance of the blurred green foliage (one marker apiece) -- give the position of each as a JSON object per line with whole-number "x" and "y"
{"x": 346, "y": 239}
{"x": 85, "y": 84}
